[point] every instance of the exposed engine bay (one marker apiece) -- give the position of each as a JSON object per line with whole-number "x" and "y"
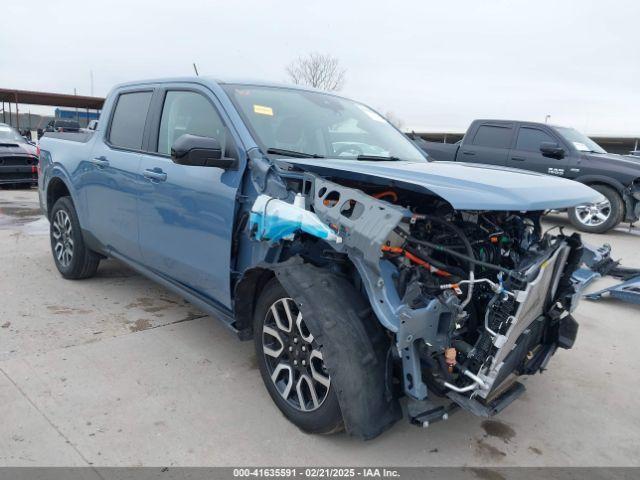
{"x": 471, "y": 299}
{"x": 496, "y": 273}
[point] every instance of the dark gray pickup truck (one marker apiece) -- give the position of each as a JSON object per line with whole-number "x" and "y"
{"x": 558, "y": 151}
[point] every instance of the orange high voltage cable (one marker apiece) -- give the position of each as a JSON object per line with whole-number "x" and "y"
{"x": 416, "y": 260}
{"x": 387, "y": 193}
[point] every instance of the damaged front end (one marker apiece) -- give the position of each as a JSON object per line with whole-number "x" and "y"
{"x": 470, "y": 299}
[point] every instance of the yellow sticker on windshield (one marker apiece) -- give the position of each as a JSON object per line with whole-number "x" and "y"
{"x": 262, "y": 110}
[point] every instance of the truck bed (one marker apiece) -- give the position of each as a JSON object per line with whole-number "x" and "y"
{"x": 82, "y": 137}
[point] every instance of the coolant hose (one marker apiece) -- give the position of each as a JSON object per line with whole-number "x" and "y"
{"x": 470, "y": 257}
{"x": 459, "y": 233}
{"x": 462, "y": 256}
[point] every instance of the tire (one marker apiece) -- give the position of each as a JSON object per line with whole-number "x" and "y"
{"x": 312, "y": 413}
{"x": 70, "y": 254}
{"x": 599, "y": 218}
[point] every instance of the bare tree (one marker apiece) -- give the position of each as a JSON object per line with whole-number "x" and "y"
{"x": 317, "y": 70}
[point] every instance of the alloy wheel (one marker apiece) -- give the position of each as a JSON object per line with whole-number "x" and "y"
{"x": 593, "y": 214}
{"x": 294, "y": 361}
{"x": 61, "y": 231}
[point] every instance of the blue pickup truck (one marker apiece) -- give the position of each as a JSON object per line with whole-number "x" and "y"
{"x": 308, "y": 223}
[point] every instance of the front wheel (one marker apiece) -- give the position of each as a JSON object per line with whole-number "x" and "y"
{"x": 292, "y": 364}
{"x": 598, "y": 217}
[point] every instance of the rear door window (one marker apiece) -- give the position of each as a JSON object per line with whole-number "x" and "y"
{"x": 129, "y": 117}
{"x": 529, "y": 139}
{"x": 493, "y": 136}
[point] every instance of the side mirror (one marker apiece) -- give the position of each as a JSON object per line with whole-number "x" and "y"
{"x": 553, "y": 150}
{"x": 197, "y": 151}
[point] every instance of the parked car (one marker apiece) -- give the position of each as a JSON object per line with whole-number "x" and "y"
{"x": 361, "y": 278}
{"x": 18, "y": 159}
{"x": 558, "y": 151}
{"x": 58, "y": 125}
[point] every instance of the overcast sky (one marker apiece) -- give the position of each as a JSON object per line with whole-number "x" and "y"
{"x": 436, "y": 65}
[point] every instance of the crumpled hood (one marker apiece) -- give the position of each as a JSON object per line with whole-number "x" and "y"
{"x": 465, "y": 186}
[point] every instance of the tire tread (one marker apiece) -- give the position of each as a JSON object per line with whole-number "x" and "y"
{"x": 85, "y": 262}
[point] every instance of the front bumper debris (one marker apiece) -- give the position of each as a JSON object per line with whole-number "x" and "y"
{"x": 628, "y": 291}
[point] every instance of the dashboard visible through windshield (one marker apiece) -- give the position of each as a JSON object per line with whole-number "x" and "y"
{"x": 318, "y": 125}
{"x": 580, "y": 141}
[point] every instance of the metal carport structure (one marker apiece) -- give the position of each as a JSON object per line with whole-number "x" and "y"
{"x": 28, "y": 97}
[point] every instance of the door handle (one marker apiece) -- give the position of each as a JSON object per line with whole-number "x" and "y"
{"x": 155, "y": 175}
{"x": 518, "y": 159}
{"x": 468, "y": 152}
{"x": 100, "y": 162}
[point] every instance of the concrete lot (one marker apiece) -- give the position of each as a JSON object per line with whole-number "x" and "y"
{"x": 115, "y": 370}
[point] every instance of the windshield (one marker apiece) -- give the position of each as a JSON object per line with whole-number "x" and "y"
{"x": 580, "y": 142}
{"x": 8, "y": 134}
{"x": 317, "y": 124}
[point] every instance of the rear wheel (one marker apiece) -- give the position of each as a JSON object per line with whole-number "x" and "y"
{"x": 598, "y": 217}
{"x": 292, "y": 364}
{"x": 70, "y": 254}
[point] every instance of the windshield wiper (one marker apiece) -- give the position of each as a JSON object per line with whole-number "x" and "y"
{"x": 378, "y": 158}
{"x": 293, "y": 153}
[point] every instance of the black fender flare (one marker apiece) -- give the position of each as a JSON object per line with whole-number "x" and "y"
{"x": 630, "y": 213}
{"x": 245, "y": 295}
{"x": 603, "y": 179}
{"x": 52, "y": 181}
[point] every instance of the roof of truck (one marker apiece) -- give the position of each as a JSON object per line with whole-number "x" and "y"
{"x": 210, "y": 80}
{"x": 500, "y": 120}
{"x": 220, "y": 81}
